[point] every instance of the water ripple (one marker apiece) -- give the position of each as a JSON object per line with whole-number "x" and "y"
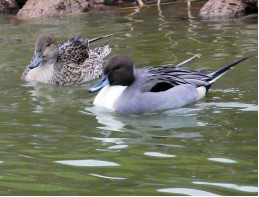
{"x": 230, "y": 186}
{"x": 222, "y": 160}
{"x": 186, "y": 191}
{"x": 110, "y": 140}
{"x": 231, "y": 105}
{"x": 118, "y": 146}
{"x": 108, "y": 177}
{"x": 87, "y": 163}
{"x": 157, "y": 154}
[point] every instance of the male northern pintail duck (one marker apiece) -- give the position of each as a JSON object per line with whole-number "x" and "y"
{"x": 71, "y": 62}
{"x": 137, "y": 91}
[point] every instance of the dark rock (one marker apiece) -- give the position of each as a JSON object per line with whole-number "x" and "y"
{"x": 20, "y": 3}
{"x": 251, "y": 1}
{"x": 8, "y": 5}
{"x": 251, "y": 6}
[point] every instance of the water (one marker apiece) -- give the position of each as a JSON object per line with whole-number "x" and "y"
{"x": 54, "y": 142}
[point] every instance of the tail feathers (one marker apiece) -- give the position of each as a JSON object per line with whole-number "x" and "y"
{"x": 99, "y": 38}
{"x": 217, "y": 74}
{"x": 83, "y": 41}
{"x": 102, "y": 51}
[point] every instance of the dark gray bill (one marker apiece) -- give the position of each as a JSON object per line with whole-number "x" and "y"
{"x": 36, "y": 60}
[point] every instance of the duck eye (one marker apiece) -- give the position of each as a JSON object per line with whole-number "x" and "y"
{"x": 116, "y": 68}
{"x": 48, "y": 45}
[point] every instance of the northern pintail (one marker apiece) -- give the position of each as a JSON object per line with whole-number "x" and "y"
{"x": 71, "y": 62}
{"x": 137, "y": 91}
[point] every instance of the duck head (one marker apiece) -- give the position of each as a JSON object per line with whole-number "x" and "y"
{"x": 119, "y": 70}
{"x": 46, "y": 50}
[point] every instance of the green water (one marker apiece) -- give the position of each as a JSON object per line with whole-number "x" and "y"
{"x": 54, "y": 142}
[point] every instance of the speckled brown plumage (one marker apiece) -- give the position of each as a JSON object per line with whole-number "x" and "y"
{"x": 71, "y": 62}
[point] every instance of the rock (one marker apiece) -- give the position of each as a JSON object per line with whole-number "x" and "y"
{"x": 36, "y": 8}
{"x": 8, "y": 5}
{"x": 222, "y": 8}
{"x": 98, "y": 1}
{"x": 45, "y": 8}
{"x": 251, "y": 1}
{"x": 20, "y": 3}
{"x": 251, "y": 6}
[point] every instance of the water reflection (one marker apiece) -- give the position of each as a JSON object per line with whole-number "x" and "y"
{"x": 157, "y": 154}
{"x": 117, "y": 141}
{"x": 222, "y": 160}
{"x": 230, "y": 105}
{"x": 230, "y": 186}
{"x": 115, "y": 147}
{"x": 46, "y": 98}
{"x": 171, "y": 119}
{"x": 131, "y": 19}
{"x": 87, "y": 163}
{"x": 107, "y": 177}
{"x": 187, "y": 191}
{"x": 164, "y": 27}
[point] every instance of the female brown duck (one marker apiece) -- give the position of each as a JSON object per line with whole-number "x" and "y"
{"x": 71, "y": 62}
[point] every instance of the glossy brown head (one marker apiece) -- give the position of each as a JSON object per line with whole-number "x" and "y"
{"x": 119, "y": 70}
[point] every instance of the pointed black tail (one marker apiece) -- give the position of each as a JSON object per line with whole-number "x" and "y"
{"x": 217, "y": 74}
{"x": 99, "y": 38}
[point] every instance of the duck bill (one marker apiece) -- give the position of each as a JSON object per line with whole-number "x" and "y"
{"x": 102, "y": 83}
{"x": 36, "y": 60}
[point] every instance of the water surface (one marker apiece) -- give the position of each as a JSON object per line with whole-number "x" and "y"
{"x": 54, "y": 142}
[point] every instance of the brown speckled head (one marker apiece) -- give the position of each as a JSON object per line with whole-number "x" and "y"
{"x": 46, "y": 45}
{"x": 43, "y": 41}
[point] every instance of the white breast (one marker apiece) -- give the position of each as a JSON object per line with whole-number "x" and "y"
{"x": 42, "y": 73}
{"x": 108, "y": 96}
